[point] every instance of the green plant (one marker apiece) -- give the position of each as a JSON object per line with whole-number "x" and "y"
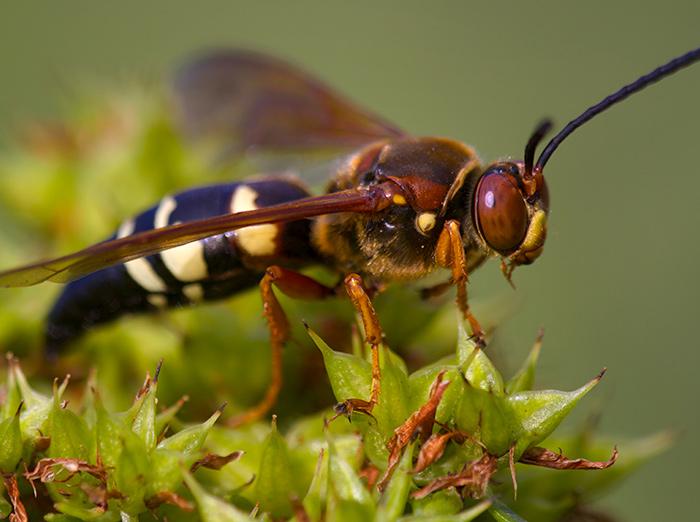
{"x": 445, "y": 442}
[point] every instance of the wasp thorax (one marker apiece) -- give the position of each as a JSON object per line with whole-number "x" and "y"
{"x": 501, "y": 211}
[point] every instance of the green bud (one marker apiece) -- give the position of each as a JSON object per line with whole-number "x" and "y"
{"x": 12, "y": 393}
{"x": 37, "y": 407}
{"x": 72, "y": 512}
{"x": 5, "y": 508}
{"x": 525, "y": 376}
{"x": 350, "y": 376}
{"x": 477, "y": 367}
{"x": 108, "y": 432}
{"x": 315, "y": 498}
{"x": 342, "y": 510}
{"x": 463, "y": 516}
{"x": 502, "y": 513}
{"x": 211, "y": 508}
{"x": 443, "y": 503}
{"x": 191, "y": 439}
{"x": 488, "y": 418}
{"x": 392, "y": 407}
{"x": 538, "y": 413}
{"x": 346, "y": 489}
{"x": 87, "y": 408}
{"x": 420, "y": 383}
{"x": 393, "y": 500}
{"x": 166, "y": 416}
{"x": 132, "y": 472}
{"x": 70, "y": 435}
{"x": 275, "y": 485}
{"x": 144, "y": 423}
{"x": 10, "y": 443}
{"x": 166, "y": 471}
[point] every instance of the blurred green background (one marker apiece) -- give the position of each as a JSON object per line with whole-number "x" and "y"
{"x": 617, "y": 285}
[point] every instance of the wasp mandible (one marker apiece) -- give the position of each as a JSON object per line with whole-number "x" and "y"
{"x": 398, "y": 208}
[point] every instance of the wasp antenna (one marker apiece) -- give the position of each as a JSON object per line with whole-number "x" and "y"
{"x": 540, "y": 132}
{"x": 654, "y": 76}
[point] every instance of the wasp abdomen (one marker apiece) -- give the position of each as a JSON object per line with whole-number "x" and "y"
{"x": 210, "y": 269}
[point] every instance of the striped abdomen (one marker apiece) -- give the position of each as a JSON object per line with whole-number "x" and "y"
{"x": 209, "y": 269}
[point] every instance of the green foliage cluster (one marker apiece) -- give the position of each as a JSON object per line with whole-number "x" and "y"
{"x": 91, "y": 464}
{"x": 68, "y": 185}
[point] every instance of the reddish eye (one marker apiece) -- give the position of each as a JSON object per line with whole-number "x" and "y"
{"x": 501, "y": 212}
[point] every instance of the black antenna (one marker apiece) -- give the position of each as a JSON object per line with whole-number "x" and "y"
{"x": 646, "y": 80}
{"x": 540, "y": 131}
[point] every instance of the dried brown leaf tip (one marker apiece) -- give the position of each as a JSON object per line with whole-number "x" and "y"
{"x": 51, "y": 470}
{"x": 472, "y": 480}
{"x": 212, "y": 461}
{"x": 418, "y": 425}
{"x": 300, "y": 513}
{"x": 435, "y": 446}
{"x": 19, "y": 513}
{"x": 98, "y": 495}
{"x": 549, "y": 459}
{"x": 145, "y": 387}
{"x": 168, "y": 497}
{"x": 370, "y": 474}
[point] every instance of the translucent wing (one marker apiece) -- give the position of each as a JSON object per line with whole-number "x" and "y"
{"x": 254, "y": 101}
{"x": 102, "y": 255}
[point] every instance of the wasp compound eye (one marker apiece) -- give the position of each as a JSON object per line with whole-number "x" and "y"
{"x": 501, "y": 212}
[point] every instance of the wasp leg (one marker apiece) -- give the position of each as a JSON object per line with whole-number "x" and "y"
{"x": 294, "y": 285}
{"x": 450, "y": 254}
{"x": 373, "y": 336}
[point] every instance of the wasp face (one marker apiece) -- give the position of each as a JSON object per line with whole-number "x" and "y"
{"x": 510, "y": 211}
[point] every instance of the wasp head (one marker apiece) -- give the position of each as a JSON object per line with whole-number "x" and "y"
{"x": 510, "y": 208}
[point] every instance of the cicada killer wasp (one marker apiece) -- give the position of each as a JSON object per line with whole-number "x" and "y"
{"x": 396, "y": 209}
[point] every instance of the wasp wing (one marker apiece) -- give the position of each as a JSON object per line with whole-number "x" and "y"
{"x": 253, "y": 101}
{"x": 107, "y": 253}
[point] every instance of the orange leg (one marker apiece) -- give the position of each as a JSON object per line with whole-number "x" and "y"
{"x": 450, "y": 254}
{"x": 294, "y": 285}
{"x": 373, "y": 336}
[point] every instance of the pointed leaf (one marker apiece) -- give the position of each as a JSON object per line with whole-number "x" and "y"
{"x": 488, "y": 418}
{"x": 144, "y": 423}
{"x": 166, "y": 416}
{"x": 502, "y": 513}
{"x": 525, "y": 376}
{"x": 392, "y": 407}
{"x": 12, "y": 393}
{"x": 476, "y": 365}
{"x": 420, "y": 383}
{"x": 538, "y": 413}
{"x": 5, "y": 508}
{"x": 393, "y": 500}
{"x": 345, "y": 484}
{"x": 37, "y": 407}
{"x": 166, "y": 471}
{"x": 132, "y": 472}
{"x": 464, "y": 516}
{"x": 192, "y": 438}
{"x": 108, "y": 431}
{"x": 275, "y": 486}
{"x": 70, "y": 435}
{"x": 443, "y": 503}
{"x": 350, "y": 376}
{"x": 315, "y": 498}
{"x": 10, "y": 443}
{"x": 211, "y": 508}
